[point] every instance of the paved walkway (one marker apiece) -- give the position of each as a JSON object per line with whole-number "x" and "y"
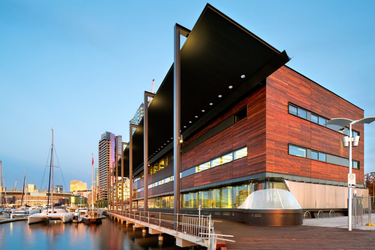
{"x": 327, "y": 233}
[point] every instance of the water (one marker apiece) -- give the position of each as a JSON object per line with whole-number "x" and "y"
{"x": 55, "y": 235}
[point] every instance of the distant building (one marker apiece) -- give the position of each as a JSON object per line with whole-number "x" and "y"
{"x": 138, "y": 115}
{"x": 31, "y": 188}
{"x": 109, "y": 146}
{"x": 59, "y": 189}
{"x": 77, "y": 186}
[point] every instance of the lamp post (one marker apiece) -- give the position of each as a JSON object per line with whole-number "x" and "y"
{"x": 343, "y": 122}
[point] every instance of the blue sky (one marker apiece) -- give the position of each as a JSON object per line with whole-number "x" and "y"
{"x": 80, "y": 67}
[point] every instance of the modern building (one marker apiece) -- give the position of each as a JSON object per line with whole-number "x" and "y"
{"x": 138, "y": 115}
{"x": 249, "y": 122}
{"x": 77, "y": 186}
{"x": 110, "y": 146}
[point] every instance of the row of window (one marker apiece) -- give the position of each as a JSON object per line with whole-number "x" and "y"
{"x": 241, "y": 114}
{"x": 320, "y": 156}
{"x": 225, "y": 197}
{"x": 234, "y": 155}
{"x": 237, "y": 154}
{"x": 307, "y": 115}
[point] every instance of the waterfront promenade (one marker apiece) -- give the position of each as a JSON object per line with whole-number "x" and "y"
{"x": 327, "y": 233}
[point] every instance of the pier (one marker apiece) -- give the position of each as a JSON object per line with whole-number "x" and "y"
{"x": 189, "y": 230}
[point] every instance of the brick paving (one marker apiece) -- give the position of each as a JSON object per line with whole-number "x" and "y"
{"x": 297, "y": 237}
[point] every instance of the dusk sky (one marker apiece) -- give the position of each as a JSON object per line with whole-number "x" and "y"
{"x": 81, "y": 67}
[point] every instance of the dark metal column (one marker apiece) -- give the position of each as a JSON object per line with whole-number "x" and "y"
{"x": 122, "y": 176}
{"x": 145, "y": 148}
{"x": 131, "y": 167}
{"x": 178, "y": 30}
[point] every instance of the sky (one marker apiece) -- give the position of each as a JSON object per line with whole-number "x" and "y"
{"x": 81, "y": 67}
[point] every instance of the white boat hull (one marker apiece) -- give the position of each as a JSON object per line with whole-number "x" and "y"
{"x": 58, "y": 214}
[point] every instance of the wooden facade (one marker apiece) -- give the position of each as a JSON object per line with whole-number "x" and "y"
{"x": 266, "y": 131}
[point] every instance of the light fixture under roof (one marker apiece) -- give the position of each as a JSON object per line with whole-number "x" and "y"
{"x": 219, "y": 96}
{"x": 203, "y": 110}
{"x": 196, "y": 116}
{"x": 190, "y": 122}
{"x": 230, "y": 87}
{"x": 243, "y": 76}
{"x": 211, "y": 104}
{"x": 184, "y": 126}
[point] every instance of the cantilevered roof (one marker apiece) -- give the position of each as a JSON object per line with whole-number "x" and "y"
{"x": 221, "y": 62}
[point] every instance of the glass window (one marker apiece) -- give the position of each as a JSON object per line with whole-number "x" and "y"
{"x": 302, "y": 113}
{"x": 355, "y": 133}
{"x": 240, "y": 153}
{"x": 322, "y": 157}
{"x": 297, "y": 151}
{"x": 240, "y": 115}
{"x": 206, "y": 198}
{"x": 226, "y": 158}
{"x": 292, "y": 110}
{"x": 314, "y": 118}
{"x": 215, "y": 162}
{"x": 314, "y": 155}
{"x": 355, "y": 165}
{"x": 202, "y": 167}
{"x": 322, "y": 121}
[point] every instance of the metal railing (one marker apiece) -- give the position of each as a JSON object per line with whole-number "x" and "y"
{"x": 190, "y": 224}
{"x": 362, "y": 210}
{"x": 200, "y": 226}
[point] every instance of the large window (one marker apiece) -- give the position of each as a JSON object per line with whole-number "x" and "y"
{"x": 297, "y": 151}
{"x": 229, "y": 157}
{"x": 320, "y": 156}
{"x": 223, "y": 197}
{"x": 308, "y": 115}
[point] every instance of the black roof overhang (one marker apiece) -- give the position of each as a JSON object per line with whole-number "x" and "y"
{"x": 217, "y": 52}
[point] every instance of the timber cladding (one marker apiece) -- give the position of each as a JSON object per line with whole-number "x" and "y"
{"x": 249, "y": 132}
{"x": 267, "y": 131}
{"x": 287, "y": 86}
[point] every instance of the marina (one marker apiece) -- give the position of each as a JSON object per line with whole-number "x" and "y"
{"x": 57, "y": 235}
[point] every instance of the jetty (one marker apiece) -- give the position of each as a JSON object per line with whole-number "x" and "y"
{"x": 189, "y": 230}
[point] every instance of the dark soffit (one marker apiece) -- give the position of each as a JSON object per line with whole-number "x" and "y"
{"x": 214, "y": 56}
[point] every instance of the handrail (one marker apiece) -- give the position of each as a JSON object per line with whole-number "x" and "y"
{"x": 319, "y": 213}
{"x": 331, "y": 212}
{"x": 201, "y": 226}
{"x": 306, "y": 212}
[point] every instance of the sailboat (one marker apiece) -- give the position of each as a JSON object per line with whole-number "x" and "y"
{"x": 22, "y": 211}
{"x": 92, "y": 217}
{"x": 51, "y": 213}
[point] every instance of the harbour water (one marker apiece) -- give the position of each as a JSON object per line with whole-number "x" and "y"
{"x": 55, "y": 235}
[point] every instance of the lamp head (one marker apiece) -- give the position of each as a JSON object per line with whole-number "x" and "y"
{"x": 345, "y": 141}
{"x": 355, "y": 140}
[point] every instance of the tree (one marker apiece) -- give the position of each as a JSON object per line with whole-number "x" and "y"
{"x": 370, "y": 183}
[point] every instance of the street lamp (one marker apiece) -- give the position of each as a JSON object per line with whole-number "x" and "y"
{"x": 343, "y": 122}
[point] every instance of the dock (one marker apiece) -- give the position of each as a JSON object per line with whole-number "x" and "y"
{"x": 189, "y": 230}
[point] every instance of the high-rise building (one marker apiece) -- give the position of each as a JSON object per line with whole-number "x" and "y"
{"x": 109, "y": 146}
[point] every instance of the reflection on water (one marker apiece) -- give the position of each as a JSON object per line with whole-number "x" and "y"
{"x": 55, "y": 235}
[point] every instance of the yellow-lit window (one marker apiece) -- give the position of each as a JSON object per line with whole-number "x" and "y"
{"x": 203, "y": 166}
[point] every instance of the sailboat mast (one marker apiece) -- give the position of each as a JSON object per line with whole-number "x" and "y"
{"x": 1, "y": 183}
{"x": 23, "y": 188}
{"x": 52, "y": 173}
{"x": 92, "y": 183}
